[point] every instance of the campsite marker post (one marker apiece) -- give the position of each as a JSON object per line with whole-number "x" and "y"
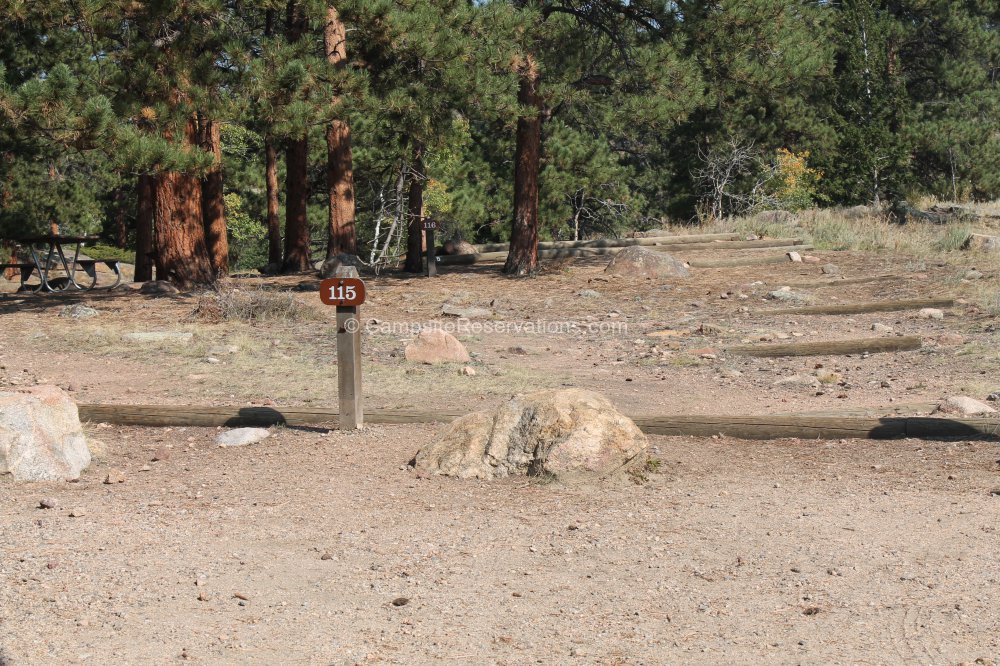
{"x": 429, "y": 226}
{"x": 347, "y": 292}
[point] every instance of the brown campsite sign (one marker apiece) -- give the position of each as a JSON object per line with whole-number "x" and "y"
{"x": 342, "y": 292}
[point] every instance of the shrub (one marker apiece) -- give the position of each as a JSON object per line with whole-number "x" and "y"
{"x": 252, "y": 306}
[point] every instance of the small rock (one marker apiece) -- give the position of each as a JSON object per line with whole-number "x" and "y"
{"x": 161, "y": 453}
{"x": 203, "y": 595}
{"x": 48, "y": 503}
{"x": 960, "y": 404}
{"x": 242, "y": 436}
{"x": 994, "y": 397}
{"x": 77, "y": 513}
{"x": 400, "y": 601}
{"x": 242, "y": 596}
{"x": 158, "y": 288}
{"x": 830, "y": 269}
{"x": 973, "y": 274}
{"x": 449, "y": 310}
{"x": 434, "y": 346}
{"x": 467, "y": 372}
{"x": 950, "y": 340}
{"x": 710, "y": 329}
{"x": 882, "y": 328}
{"x": 795, "y": 257}
{"x": 809, "y": 259}
{"x": 730, "y": 373}
{"x": 786, "y": 295}
{"x": 212, "y": 360}
{"x": 326, "y": 556}
{"x": 145, "y": 468}
{"x": 588, "y": 293}
{"x": 930, "y": 313}
{"x": 79, "y": 311}
{"x": 114, "y": 476}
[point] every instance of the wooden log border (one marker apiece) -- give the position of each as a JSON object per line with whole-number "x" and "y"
{"x": 740, "y": 427}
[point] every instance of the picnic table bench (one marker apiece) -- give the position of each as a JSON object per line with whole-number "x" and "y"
{"x": 42, "y": 263}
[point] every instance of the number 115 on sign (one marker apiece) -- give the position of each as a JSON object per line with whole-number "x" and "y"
{"x": 343, "y": 292}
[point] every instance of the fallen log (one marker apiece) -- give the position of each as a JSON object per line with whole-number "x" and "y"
{"x": 615, "y": 242}
{"x": 861, "y": 308}
{"x": 468, "y": 259}
{"x": 819, "y": 427}
{"x": 830, "y": 348}
{"x": 743, "y": 427}
{"x": 666, "y": 234}
{"x": 795, "y": 243}
{"x": 738, "y": 261}
{"x": 560, "y": 253}
{"x": 212, "y": 417}
{"x": 731, "y": 241}
{"x": 841, "y": 282}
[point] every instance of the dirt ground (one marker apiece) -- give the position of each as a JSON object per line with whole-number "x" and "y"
{"x": 293, "y": 550}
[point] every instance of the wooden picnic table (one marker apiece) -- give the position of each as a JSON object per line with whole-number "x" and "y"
{"x": 48, "y": 253}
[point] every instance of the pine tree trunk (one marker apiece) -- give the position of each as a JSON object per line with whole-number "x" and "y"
{"x": 297, "y": 236}
{"x": 340, "y": 174}
{"x": 414, "y": 214}
{"x": 145, "y": 205}
{"x": 181, "y": 253}
{"x": 213, "y": 205}
{"x": 523, "y": 256}
{"x": 273, "y": 218}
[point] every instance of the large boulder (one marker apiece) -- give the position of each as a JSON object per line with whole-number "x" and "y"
{"x": 638, "y": 261}
{"x": 459, "y": 247}
{"x": 328, "y": 268}
{"x": 40, "y": 435}
{"x": 570, "y": 435}
{"x": 436, "y": 346}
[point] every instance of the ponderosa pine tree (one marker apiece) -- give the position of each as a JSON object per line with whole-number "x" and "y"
{"x": 577, "y": 55}
{"x": 341, "y": 232}
{"x": 297, "y": 234}
{"x": 428, "y": 61}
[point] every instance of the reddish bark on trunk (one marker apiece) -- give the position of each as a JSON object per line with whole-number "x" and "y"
{"x": 297, "y": 236}
{"x": 523, "y": 256}
{"x": 213, "y": 203}
{"x": 340, "y": 174}
{"x": 273, "y": 219}
{"x": 145, "y": 206}
{"x": 181, "y": 253}
{"x": 415, "y": 214}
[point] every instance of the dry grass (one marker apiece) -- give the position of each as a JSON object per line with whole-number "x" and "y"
{"x": 922, "y": 243}
{"x": 254, "y": 306}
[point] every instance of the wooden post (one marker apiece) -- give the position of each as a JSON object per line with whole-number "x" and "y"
{"x": 429, "y": 227}
{"x": 349, "y": 368}
{"x": 349, "y": 360}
